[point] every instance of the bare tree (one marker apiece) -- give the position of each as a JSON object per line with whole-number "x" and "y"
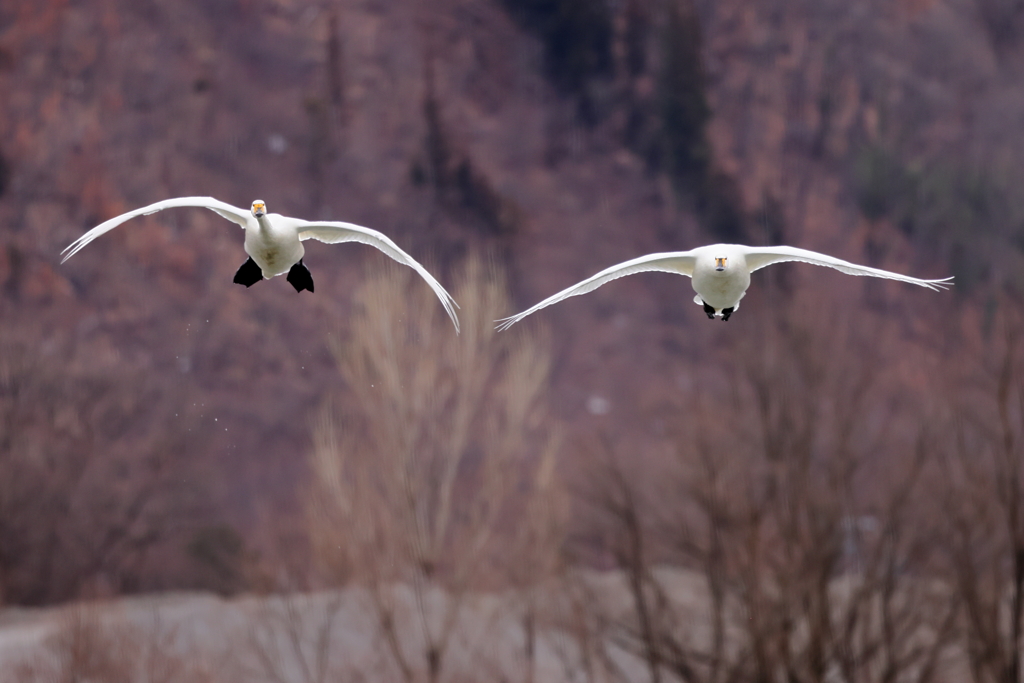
{"x": 799, "y": 553}
{"x": 419, "y": 492}
{"x": 77, "y": 516}
{"x": 295, "y": 638}
{"x": 985, "y": 502}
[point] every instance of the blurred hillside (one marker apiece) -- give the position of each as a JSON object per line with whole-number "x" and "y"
{"x": 155, "y": 419}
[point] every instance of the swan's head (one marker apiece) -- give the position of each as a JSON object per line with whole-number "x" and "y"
{"x": 259, "y": 208}
{"x": 720, "y": 262}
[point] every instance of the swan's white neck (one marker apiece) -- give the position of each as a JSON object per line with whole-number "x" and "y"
{"x": 265, "y": 227}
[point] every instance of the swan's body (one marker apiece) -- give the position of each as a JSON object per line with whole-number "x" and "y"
{"x": 274, "y": 242}
{"x": 720, "y": 273}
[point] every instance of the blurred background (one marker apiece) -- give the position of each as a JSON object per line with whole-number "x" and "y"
{"x": 203, "y": 482}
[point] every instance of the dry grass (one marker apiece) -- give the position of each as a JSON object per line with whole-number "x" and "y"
{"x": 92, "y": 644}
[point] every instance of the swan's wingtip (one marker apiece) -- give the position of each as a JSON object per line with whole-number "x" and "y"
{"x": 454, "y": 318}
{"x": 505, "y": 323}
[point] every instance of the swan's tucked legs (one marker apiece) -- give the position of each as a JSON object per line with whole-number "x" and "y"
{"x": 300, "y": 278}
{"x": 249, "y": 273}
{"x": 726, "y": 312}
{"x": 710, "y": 310}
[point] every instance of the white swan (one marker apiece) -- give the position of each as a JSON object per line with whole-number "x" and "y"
{"x": 721, "y": 274}
{"x": 274, "y": 243}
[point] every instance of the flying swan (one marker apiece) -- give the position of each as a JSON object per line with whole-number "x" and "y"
{"x": 721, "y": 274}
{"x": 274, "y": 243}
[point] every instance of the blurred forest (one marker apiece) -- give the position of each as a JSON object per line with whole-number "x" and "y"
{"x": 204, "y": 482}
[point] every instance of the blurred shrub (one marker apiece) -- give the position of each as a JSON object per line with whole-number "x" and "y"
{"x": 883, "y": 186}
{"x": 682, "y": 100}
{"x": 89, "y": 484}
{"x": 945, "y": 199}
{"x": 96, "y": 644}
{"x": 950, "y": 205}
{"x": 5, "y": 174}
{"x": 219, "y": 551}
{"x": 1004, "y": 21}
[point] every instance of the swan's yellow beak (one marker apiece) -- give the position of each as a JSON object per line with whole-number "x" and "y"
{"x": 720, "y": 262}
{"x": 259, "y": 209}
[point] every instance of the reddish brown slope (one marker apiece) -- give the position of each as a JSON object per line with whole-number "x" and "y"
{"x": 109, "y": 104}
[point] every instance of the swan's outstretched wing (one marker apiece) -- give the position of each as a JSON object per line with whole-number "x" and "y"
{"x": 680, "y": 262}
{"x": 334, "y": 232}
{"x": 759, "y": 257}
{"x": 232, "y": 213}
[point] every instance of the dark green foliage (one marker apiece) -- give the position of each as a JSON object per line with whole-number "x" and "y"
{"x": 883, "y": 185}
{"x": 17, "y": 266}
{"x": 671, "y": 130}
{"x": 682, "y": 101}
{"x": 768, "y": 227}
{"x": 1004, "y": 21}
{"x": 335, "y": 64}
{"x": 321, "y": 151}
{"x": 943, "y": 200}
{"x": 577, "y": 38}
{"x": 771, "y": 220}
{"x": 719, "y": 204}
{"x": 435, "y": 143}
{"x": 638, "y": 26}
{"x": 826, "y": 107}
{"x": 461, "y": 188}
{"x": 636, "y": 63}
{"x": 5, "y": 174}
{"x": 946, "y": 205}
{"x": 418, "y": 174}
{"x": 963, "y": 201}
{"x": 219, "y": 551}
{"x": 967, "y": 266}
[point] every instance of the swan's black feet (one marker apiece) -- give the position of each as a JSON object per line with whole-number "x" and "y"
{"x": 726, "y": 312}
{"x": 300, "y": 278}
{"x": 710, "y": 310}
{"x": 249, "y": 273}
